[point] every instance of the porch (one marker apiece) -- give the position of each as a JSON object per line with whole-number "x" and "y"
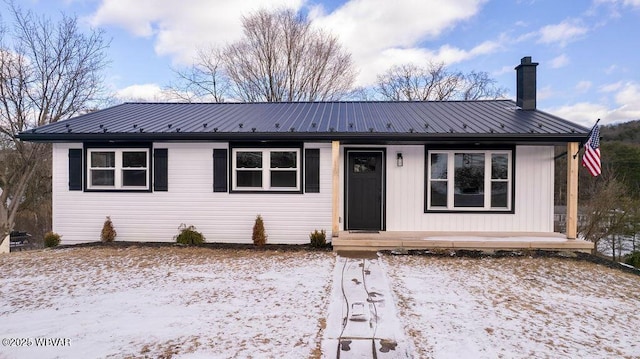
{"x": 485, "y": 241}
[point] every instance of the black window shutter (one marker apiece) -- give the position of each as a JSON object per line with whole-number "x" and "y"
{"x": 75, "y": 169}
{"x": 220, "y": 170}
{"x": 160, "y": 169}
{"x": 312, "y": 170}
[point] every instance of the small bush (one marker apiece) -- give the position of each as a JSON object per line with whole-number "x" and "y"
{"x": 108, "y": 233}
{"x": 318, "y": 239}
{"x": 189, "y": 235}
{"x": 259, "y": 236}
{"x": 51, "y": 239}
{"x": 633, "y": 259}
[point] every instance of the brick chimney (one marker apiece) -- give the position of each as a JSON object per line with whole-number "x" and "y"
{"x": 526, "y": 84}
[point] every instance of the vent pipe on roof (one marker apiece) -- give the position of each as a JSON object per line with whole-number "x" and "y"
{"x": 526, "y": 84}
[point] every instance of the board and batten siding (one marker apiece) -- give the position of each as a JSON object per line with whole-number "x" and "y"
{"x": 534, "y": 176}
{"x": 222, "y": 217}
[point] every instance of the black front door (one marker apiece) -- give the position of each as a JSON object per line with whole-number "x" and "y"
{"x": 364, "y": 192}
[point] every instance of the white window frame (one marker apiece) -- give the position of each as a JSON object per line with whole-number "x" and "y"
{"x": 266, "y": 169}
{"x": 487, "y": 181}
{"x": 118, "y": 169}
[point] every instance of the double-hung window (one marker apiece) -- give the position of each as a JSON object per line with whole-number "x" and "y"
{"x": 266, "y": 169}
{"x": 469, "y": 180}
{"x": 118, "y": 169}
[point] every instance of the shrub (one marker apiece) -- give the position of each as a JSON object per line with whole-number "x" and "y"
{"x": 259, "y": 236}
{"x": 633, "y": 259}
{"x": 189, "y": 235}
{"x": 318, "y": 239}
{"x": 108, "y": 233}
{"x": 51, "y": 239}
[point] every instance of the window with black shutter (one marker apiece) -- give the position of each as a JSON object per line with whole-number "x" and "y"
{"x": 160, "y": 170}
{"x": 75, "y": 169}
{"x": 220, "y": 170}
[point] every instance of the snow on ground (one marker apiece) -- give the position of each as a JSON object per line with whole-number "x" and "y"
{"x": 516, "y": 307}
{"x": 165, "y": 302}
{"x": 175, "y": 302}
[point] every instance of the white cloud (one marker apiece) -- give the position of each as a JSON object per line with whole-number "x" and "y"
{"x": 583, "y": 86}
{"x": 611, "y": 69}
{"x": 378, "y": 33}
{"x": 560, "y": 61}
{"x": 145, "y": 92}
{"x": 562, "y": 33}
{"x": 632, "y": 3}
{"x": 611, "y": 87}
{"x": 180, "y": 28}
{"x": 381, "y": 33}
{"x": 583, "y": 113}
{"x": 545, "y": 93}
{"x": 622, "y": 105}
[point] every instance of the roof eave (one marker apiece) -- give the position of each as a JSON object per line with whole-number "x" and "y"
{"x": 304, "y": 136}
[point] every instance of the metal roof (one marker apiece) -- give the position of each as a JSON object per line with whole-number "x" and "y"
{"x": 494, "y": 120}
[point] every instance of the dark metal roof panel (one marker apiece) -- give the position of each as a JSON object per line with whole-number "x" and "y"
{"x": 374, "y": 120}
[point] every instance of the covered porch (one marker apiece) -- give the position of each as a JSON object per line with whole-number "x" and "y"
{"x": 484, "y": 241}
{"x": 468, "y": 239}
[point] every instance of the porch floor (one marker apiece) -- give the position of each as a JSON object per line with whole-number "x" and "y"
{"x": 485, "y": 241}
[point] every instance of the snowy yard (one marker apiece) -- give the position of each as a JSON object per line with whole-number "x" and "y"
{"x": 164, "y": 302}
{"x": 224, "y": 303}
{"x": 516, "y": 307}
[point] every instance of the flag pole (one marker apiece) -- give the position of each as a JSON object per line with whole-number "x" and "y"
{"x": 589, "y": 135}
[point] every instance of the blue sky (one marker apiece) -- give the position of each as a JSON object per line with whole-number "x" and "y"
{"x": 587, "y": 49}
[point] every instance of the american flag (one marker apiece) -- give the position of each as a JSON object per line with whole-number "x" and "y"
{"x": 591, "y": 157}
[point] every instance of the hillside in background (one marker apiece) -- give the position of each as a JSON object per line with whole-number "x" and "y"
{"x": 627, "y": 132}
{"x": 620, "y": 155}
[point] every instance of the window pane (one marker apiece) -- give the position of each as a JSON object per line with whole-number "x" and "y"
{"x": 439, "y": 194}
{"x": 283, "y": 159}
{"x": 136, "y": 178}
{"x": 283, "y": 178}
{"x": 364, "y": 164}
{"x": 103, "y": 177}
{"x": 249, "y": 160}
{"x": 249, "y": 178}
{"x": 438, "y": 166}
{"x": 103, "y": 159}
{"x": 499, "y": 166}
{"x": 469, "y": 180}
{"x": 499, "y": 194}
{"x": 134, "y": 159}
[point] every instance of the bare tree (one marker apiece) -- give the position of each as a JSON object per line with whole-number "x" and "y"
{"x": 435, "y": 82}
{"x": 280, "y": 58}
{"x": 50, "y": 72}
{"x": 608, "y": 211}
{"x": 205, "y": 80}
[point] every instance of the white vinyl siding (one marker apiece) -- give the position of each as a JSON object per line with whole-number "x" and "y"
{"x": 533, "y": 181}
{"x": 222, "y": 217}
{"x": 289, "y": 217}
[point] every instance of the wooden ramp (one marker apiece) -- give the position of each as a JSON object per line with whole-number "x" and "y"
{"x": 484, "y": 241}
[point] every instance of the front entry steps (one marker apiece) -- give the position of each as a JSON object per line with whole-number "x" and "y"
{"x": 484, "y": 241}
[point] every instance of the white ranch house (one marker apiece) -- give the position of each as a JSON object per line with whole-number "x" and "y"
{"x": 459, "y": 174}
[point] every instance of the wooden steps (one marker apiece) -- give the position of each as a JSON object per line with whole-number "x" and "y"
{"x": 484, "y": 241}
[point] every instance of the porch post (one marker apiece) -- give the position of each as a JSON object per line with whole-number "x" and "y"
{"x": 572, "y": 191}
{"x": 335, "y": 164}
